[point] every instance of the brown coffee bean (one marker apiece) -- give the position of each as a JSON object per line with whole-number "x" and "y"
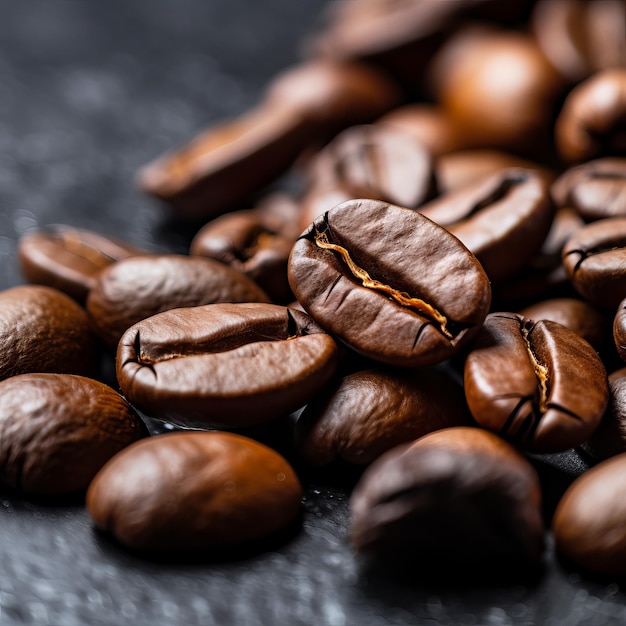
{"x": 68, "y": 258}
{"x": 224, "y": 165}
{"x": 369, "y": 412}
{"x": 251, "y": 243}
{"x": 452, "y": 499}
{"x": 581, "y": 317}
{"x": 592, "y": 121}
{"x": 393, "y": 165}
{"x": 389, "y": 288}
{"x": 589, "y": 523}
{"x": 619, "y": 329}
{"x": 428, "y": 124}
{"x": 580, "y": 37}
{"x": 58, "y": 430}
{"x": 498, "y": 90}
{"x": 536, "y": 383}
{"x": 502, "y": 219}
{"x": 135, "y": 288}
{"x": 596, "y": 189}
{"x": 43, "y": 330}
{"x": 594, "y": 260}
{"x": 458, "y": 169}
{"x": 224, "y": 364}
{"x": 194, "y": 490}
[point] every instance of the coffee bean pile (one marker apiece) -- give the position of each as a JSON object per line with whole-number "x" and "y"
{"x": 415, "y": 243}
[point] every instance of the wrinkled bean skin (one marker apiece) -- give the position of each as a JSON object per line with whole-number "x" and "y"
{"x": 354, "y": 281}
{"x": 454, "y": 498}
{"x": 596, "y": 189}
{"x": 595, "y": 260}
{"x": 135, "y": 288}
{"x": 68, "y": 258}
{"x": 43, "y": 330}
{"x": 589, "y": 523}
{"x": 194, "y": 490}
{"x": 371, "y": 411}
{"x": 229, "y": 365}
{"x": 58, "y": 430}
{"x": 510, "y": 210}
{"x": 536, "y": 383}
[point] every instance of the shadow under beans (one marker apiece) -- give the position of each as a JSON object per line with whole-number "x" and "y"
{"x": 20, "y": 501}
{"x": 214, "y": 555}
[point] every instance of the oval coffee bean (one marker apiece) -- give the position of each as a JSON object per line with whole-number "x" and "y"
{"x": 596, "y": 189}
{"x": 394, "y": 165}
{"x": 452, "y": 499}
{"x": 224, "y": 364}
{"x": 589, "y": 524}
{"x": 595, "y": 260}
{"x": 58, "y": 430}
{"x": 536, "y": 383}
{"x": 591, "y": 122}
{"x": 194, "y": 490}
{"x": 43, "y": 330}
{"x": 619, "y": 329}
{"x": 68, "y": 258}
{"x": 502, "y": 219}
{"x": 132, "y": 289}
{"x": 386, "y": 280}
{"x": 368, "y": 412}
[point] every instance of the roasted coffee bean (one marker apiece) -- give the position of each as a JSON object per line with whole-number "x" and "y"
{"x": 58, "y": 430}
{"x": 589, "y": 524}
{"x": 389, "y": 287}
{"x": 224, "y": 165}
{"x": 592, "y": 122}
{"x": 580, "y": 37}
{"x": 394, "y": 165}
{"x": 619, "y": 329}
{"x": 454, "y": 498}
{"x": 135, "y": 288}
{"x": 594, "y": 260}
{"x": 536, "y": 383}
{"x": 69, "y": 259}
{"x": 458, "y": 169}
{"x": 498, "y": 90}
{"x": 596, "y": 189}
{"x": 502, "y": 219}
{"x": 43, "y": 330}
{"x": 581, "y": 317}
{"x": 253, "y": 244}
{"x": 609, "y": 438}
{"x": 368, "y": 412}
{"x": 194, "y": 490}
{"x": 428, "y": 124}
{"x": 224, "y": 364}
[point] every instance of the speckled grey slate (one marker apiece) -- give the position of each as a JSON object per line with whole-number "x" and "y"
{"x": 89, "y": 91}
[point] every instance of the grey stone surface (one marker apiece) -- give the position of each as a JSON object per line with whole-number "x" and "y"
{"x": 89, "y": 91}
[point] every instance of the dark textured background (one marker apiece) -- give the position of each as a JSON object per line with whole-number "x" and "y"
{"x": 89, "y": 91}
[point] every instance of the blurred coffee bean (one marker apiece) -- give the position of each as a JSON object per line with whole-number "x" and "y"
{"x": 595, "y": 261}
{"x": 452, "y": 499}
{"x": 227, "y": 163}
{"x": 194, "y": 490}
{"x": 58, "y": 430}
{"x": 596, "y": 189}
{"x": 580, "y": 37}
{"x": 589, "y": 524}
{"x": 536, "y": 383}
{"x": 366, "y": 413}
{"x": 69, "y": 259}
{"x": 502, "y": 219}
{"x": 389, "y": 287}
{"x": 230, "y": 365}
{"x": 132, "y": 289}
{"x": 591, "y": 123}
{"x": 581, "y": 317}
{"x": 43, "y": 330}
